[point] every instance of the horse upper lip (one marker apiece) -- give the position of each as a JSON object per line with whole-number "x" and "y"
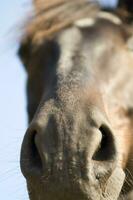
{"x": 114, "y": 184}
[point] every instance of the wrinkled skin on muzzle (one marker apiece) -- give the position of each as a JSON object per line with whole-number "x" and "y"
{"x": 114, "y": 185}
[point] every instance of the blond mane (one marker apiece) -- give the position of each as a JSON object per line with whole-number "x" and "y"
{"x": 52, "y": 16}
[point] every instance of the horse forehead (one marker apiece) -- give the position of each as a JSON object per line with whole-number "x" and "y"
{"x": 69, "y": 41}
{"x": 95, "y": 35}
{"x": 75, "y": 64}
{"x": 75, "y": 52}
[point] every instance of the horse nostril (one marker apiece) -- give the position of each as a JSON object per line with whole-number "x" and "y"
{"x": 30, "y": 157}
{"x": 35, "y": 155}
{"x": 106, "y": 150}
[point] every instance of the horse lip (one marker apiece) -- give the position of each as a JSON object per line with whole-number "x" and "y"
{"x": 110, "y": 192}
{"x": 114, "y": 185}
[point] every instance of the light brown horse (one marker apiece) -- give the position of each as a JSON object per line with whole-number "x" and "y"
{"x": 79, "y": 144}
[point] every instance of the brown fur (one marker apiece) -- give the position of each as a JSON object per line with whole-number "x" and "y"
{"x": 67, "y": 71}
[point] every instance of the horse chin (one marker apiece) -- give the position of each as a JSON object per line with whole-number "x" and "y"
{"x": 59, "y": 194}
{"x": 39, "y": 190}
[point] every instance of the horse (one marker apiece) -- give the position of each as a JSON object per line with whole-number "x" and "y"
{"x": 79, "y": 143}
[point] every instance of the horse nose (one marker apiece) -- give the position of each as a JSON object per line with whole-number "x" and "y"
{"x": 46, "y": 150}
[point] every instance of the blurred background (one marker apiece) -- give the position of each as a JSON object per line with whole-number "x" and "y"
{"x": 13, "y": 117}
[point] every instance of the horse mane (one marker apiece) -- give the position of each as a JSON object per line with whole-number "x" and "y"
{"x": 52, "y": 16}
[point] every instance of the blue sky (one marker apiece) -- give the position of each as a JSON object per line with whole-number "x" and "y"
{"x": 110, "y": 3}
{"x": 13, "y": 118}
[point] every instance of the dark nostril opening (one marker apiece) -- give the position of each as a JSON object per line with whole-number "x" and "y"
{"x": 35, "y": 158}
{"x": 106, "y": 150}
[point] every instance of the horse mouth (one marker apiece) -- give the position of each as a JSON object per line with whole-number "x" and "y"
{"x": 82, "y": 191}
